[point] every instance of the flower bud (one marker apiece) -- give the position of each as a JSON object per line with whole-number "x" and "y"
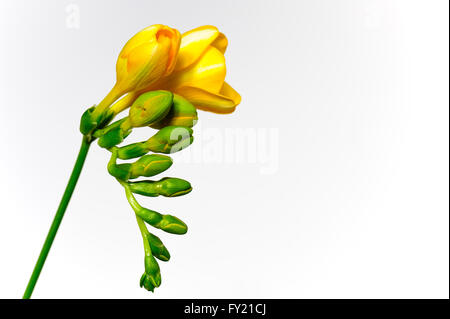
{"x": 152, "y": 276}
{"x": 173, "y": 187}
{"x": 170, "y": 139}
{"x": 149, "y": 216}
{"x": 168, "y": 187}
{"x": 182, "y": 113}
{"x": 168, "y": 223}
{"x": 149, "y": 165}
{"x": 146, "y": 282}
{"x": 158, "y": 248}
{"x": 173, "y": 225}
{"x": 150, "y": 107}
{"x": 132, "y": 150}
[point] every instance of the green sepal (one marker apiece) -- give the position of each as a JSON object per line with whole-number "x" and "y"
{"x": 113, "y": 134}
{"x": 158, "y": 249}
{"x": 182, "y": 113}
{"x": 167, "y": 186}
{"x": 152, "y": 276}
{"x": 120, "y": 171}
{"x": 150, "y": 165}
{"x": 170, "y": 139}
{"x": 89, "y": 123}
{"x": 150, "y": 107}
{"x": 132, "y": 150}
{"x": 145, "y": 282}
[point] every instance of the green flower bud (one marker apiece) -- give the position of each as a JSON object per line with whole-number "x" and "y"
{"x": 152, "y": 276}
{"x": 149, "y": 165}
{"x": 149, "y": 216}
{"x": 132, "y": 151}
{"x": 168, "y": 223}
{"x": 150, "y": 107}
{"x": 173, "y": 187}
{"x": 145, "y": 188}
{"x": 170, "y": 139}
{"x": 168, "y": 187}
{"x": 146, "y": 282}
{"x": 173, "y": 225}
{"x": 182, "y": 113}
{"x": 158, "y": 248}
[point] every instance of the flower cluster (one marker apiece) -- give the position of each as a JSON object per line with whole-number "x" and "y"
{"x": 163, "y": 77}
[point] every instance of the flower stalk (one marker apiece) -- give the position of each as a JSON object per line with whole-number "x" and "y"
{"x": 81, "y": 158}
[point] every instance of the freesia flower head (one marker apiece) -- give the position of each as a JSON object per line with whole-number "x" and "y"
{"x": 198, "y": 74}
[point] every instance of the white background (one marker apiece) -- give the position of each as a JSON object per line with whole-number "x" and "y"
{"x": 357, "y": 206}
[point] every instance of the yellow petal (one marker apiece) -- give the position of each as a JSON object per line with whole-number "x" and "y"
{"x": 145, "y": 64}
{"x": 146, "y": 57}
{"x": 193, "y": 45}
{"x": 144, "y": 36}
{"x": 208, "y": 73}
{"x": 231, "y": 93}
{"x": 139, "y": 56}
{"x": 221, "y": 42}
{"x": 174, "y": 38}
{"x": 207, "y": 101}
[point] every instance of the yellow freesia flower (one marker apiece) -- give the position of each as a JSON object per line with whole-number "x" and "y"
{"x": 148, "y": 56}
{"x": 198, "y": 75}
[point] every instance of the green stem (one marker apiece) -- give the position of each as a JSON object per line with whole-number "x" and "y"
{"x": 135, "y": 205}
{"x": 144, "y": 233}
{"x": 58, "y": 217}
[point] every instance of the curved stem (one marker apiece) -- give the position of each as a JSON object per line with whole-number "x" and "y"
{"x": 135, "y": 205}
{"x": 58, "y": 217}
{"x": 131, "y": 199}
{"x": 144, "y": 233}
